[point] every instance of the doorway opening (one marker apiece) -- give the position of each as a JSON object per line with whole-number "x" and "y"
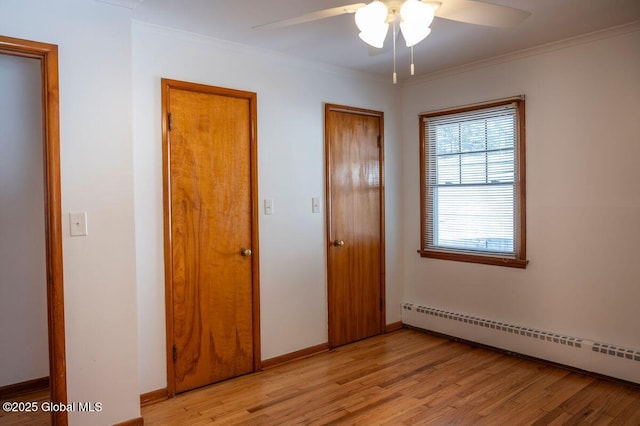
{"x": 47, "y": 55}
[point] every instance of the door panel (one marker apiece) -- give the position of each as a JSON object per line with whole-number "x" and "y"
{"x": 211, "y": 221}
{"x": 355, "y": 223}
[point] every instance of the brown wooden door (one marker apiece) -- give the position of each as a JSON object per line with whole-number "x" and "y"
{"x": 210, "y": 149}
{"x": 355, "y": 218}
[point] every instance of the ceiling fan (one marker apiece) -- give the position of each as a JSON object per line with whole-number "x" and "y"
{"x": 413, "y": 16}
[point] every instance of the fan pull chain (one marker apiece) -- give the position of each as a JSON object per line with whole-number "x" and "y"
{"x": 395, "y": 75}
{"x": 413, "y": 69}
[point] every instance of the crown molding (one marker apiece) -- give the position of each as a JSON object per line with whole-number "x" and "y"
{"x": 129, "y": 4}
{"x": 525, "y": 53}
{"x": 257, "y": 52}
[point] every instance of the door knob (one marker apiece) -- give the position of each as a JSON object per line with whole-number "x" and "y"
{"x": 246, "y": 252}
{"x": 338, "y": 243}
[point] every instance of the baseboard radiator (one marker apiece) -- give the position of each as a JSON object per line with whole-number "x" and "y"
{"x": 589, "y": 355}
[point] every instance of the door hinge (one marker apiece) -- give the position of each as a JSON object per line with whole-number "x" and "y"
{"x": 175, "y": 353}
{"x": 50, "y": 280}
{"x": 381, "y": 304}
{"x": 169, "y": 121}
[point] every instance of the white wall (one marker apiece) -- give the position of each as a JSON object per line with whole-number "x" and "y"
{"x": 291, "y": 97}
{"x": 583, "y": 192}
{"x": 24, "y": 349}
{"x": 94, "y": 42}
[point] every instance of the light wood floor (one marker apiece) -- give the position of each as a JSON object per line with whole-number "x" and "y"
{"x": 39, "y": 418}
{"x": 405, "y": 378}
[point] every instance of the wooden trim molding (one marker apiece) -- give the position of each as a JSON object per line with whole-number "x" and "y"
{"x": 395, "y": 326}
{"x": 168, "y": 260}
{"x": 17, "y": 389}
{"x": 485, "y": 260}
{"x": 292, "y": 356}
{"x": 152, "y": 397}
{"x": 48, "y": 56}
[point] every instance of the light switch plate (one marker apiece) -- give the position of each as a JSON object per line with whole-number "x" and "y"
{"x": 78, "y": 224}
{"x": 268, "y": 206}
{"x": 315, "y": 205}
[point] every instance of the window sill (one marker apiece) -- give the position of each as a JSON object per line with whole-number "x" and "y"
{"x": 472, "y": 258}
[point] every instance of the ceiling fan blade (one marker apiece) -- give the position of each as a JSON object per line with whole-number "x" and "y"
{"x": 313, "y": 16}
{"x": 479, "y": 13}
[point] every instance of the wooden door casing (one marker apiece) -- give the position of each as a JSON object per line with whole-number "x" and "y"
{"x": 210, "y": 217}
{"x": 47, "y": 54}
{"x": 355, "y": 216}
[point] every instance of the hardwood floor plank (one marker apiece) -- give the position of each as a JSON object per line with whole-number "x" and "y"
{"x": 631, "y": 414}
{"x": 405, "y": 378}
{"x": 38, "y": 418}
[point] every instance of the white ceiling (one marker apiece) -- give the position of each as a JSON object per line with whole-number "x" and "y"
{"x": 335, "y": 41}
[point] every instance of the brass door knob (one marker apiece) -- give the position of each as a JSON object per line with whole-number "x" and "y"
{"x": 338, "y": 243}
{"x": 246, "y": 252}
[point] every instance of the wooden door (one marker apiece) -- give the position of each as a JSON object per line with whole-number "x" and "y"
{"x": 355, "y": 223}
{"x": 212, "y": 230}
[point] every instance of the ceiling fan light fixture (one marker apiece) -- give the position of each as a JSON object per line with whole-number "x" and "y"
{"x": 371, "y": 16}
{"x": 415, "y": 18}
{"x": 414, "y": 34}
{"x": 375, "y": 36}
{"x": 415, "y": 11}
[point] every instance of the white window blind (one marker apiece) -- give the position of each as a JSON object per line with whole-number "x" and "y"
{"x": 471, "y": 182}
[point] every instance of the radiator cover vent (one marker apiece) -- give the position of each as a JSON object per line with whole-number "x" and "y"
{"x": 603, "y": 348}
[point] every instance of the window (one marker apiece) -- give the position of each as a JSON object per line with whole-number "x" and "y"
{"x": 472, "y": 184}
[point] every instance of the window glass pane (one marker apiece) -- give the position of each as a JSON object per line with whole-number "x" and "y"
{"x": 500, "y": 132}
{"x": 500, "y": 166}
{"x": 472, "y": 136}
{"x": 447, "y": 138}
{"x": 476, "y": 218}
{"x": 474, "y": 168}
{"x": 448, "y": 170}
